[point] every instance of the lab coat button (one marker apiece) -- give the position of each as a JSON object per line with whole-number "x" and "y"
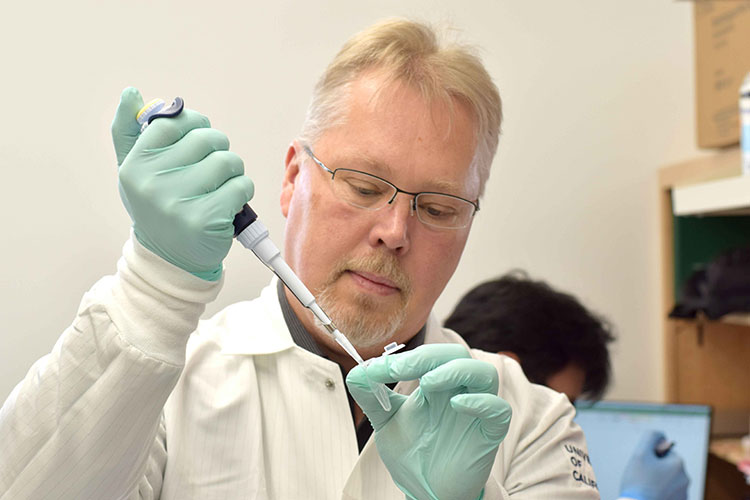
{"x": 330, "y": 383}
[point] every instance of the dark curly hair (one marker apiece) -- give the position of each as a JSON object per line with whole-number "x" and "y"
{"x": 547, "y": 329}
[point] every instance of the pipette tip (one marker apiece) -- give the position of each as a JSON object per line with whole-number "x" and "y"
{"x": 347, "y": 346}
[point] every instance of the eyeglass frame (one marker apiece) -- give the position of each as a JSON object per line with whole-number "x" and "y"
{"x": 322, "y": 165}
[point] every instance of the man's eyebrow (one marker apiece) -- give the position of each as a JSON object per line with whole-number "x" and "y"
{"x": 370, "y": 165}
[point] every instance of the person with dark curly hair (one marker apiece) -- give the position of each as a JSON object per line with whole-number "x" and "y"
{"x": 558, "y": 342}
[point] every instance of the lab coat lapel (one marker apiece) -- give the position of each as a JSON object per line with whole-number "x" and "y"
{"x": 301, "y": 379}
{"x": 269, "y": 334}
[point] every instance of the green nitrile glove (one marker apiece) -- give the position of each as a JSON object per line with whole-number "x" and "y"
{"x": 439, "y": 442}
{"x": 181, "y": 186}
{"x": 125, "y": 129}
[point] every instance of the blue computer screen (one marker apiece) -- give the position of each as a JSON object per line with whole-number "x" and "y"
{"x": 613, "y": 430}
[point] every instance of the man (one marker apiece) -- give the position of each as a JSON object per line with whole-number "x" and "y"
{"x": 562, "y": 345}
{"x": 556, "y": 340}
{"x": 379, "y": 194}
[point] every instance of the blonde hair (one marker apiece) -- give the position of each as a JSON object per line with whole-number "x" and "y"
{"x": 411, "y": 53}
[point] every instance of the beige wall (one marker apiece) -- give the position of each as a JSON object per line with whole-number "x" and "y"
{"x": 598, "y": 95}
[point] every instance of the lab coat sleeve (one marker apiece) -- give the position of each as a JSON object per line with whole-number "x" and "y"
{"x": 550, "y": 457}
{"x": 493, "y": 490}
{"x": 86, "y": 421}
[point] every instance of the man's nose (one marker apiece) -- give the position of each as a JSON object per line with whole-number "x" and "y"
{"x": 393, "y": 224}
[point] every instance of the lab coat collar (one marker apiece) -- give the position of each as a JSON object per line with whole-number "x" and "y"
{"x": 256, "y": 327}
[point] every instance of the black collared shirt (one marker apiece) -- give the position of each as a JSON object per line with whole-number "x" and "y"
{"x": 302, "y": 338}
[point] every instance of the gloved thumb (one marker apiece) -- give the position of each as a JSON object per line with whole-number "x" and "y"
{"x": 359, "y": 386}
{"x": 649, "y": 440}
{"x": 125, "y": 128}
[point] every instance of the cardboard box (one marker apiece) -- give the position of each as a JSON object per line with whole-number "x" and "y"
{"x": 722, "y": 58}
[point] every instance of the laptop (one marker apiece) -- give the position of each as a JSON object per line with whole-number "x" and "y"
{"x": 613, "y": 429}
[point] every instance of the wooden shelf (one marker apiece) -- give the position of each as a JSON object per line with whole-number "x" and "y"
{"x": 736, "y": 319}
{"x": 728, "y": 449}
{"x": 724, "y": 164}
{"x": 705, "y": 362}
{"x": 729, "y": 196}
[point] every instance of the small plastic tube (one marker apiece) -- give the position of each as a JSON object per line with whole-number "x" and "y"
{"x": 381, "y": 393}
{"x": 379, "y": 389}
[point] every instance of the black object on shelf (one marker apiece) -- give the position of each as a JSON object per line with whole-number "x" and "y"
{"x": 721, "y": 288}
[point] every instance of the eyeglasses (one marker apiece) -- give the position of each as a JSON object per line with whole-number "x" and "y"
{"x": 363, "y": 190}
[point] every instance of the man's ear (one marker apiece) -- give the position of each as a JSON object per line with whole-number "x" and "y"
{"x": 292, "y": 164}
{"x": 511, "y": 355}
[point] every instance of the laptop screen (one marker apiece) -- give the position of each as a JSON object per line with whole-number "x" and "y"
{"x": 614, "y": 429}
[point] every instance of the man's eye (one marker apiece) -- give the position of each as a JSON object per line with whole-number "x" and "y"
{"x": 363, "y": 188}
{"x": 438, "y": 211}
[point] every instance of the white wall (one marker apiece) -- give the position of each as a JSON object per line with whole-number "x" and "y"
{"x": 598, "y": 95}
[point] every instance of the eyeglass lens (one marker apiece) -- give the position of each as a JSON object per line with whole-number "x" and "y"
{"x": 366, "y": 191}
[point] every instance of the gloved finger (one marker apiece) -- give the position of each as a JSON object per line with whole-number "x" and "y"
{"x": 196, "y": 145}
{"x": 649, "y": 440}
{"x": 413, "y": 364}
{"x": 474, "y": 375}
{"x": 210, "y": 173}
{"x": 164, "y": 132}
{"x": 234, "y": 193}
{"x": 359, "y": 387}
{"x": 493, "y": 411}
{"x": 125, "y": 129}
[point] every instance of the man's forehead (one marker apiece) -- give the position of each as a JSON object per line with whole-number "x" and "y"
{"x": 393, "y": 131}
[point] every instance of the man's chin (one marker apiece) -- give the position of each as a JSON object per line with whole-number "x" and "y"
{"x": 366, "y": 318}
{"x": 369, "y": 338}
{"x": 364, "y": 324}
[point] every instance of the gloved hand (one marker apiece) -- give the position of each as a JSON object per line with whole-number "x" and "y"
{"x": 439, "y": 442}
{"x": 649, "y": 477}
{"x": 181, "y": 186}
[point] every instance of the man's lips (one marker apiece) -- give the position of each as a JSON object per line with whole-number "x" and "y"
{"x": 374, "y": 282}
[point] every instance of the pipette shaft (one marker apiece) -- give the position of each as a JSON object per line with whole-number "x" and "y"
{"x": 253, "y": 235}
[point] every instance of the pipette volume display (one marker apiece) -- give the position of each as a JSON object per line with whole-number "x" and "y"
{"x": 253, "y": 235}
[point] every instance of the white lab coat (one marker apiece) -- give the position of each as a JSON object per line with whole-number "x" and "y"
{"x": 116, "y": 411}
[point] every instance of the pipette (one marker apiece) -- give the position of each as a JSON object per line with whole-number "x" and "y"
{"x": 253, "y": 235}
